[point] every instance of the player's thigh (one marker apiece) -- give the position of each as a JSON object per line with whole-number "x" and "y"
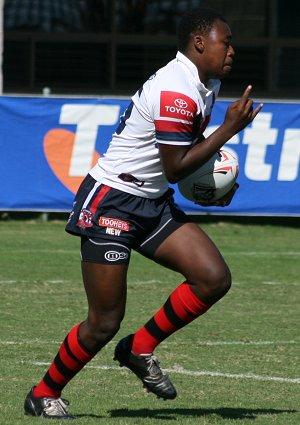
{"x": 105, "y": 287}
{"x": 104, "y": 271}
{"x": 191, "y": 252}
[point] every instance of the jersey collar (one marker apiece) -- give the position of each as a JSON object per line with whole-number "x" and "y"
{"x": 212, "y": 84}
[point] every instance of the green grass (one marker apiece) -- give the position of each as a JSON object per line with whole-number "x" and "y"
{"x": 238, "y": 364}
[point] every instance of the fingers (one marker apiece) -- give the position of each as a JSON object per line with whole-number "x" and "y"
{"x": 222, "y": 202}
{"x": 247, "y": 92}
{"x": 257, "y": 110}
{"x": 249, "y": 104}
{"x": 250, "y": 112}
{"x": 226, "y": 200}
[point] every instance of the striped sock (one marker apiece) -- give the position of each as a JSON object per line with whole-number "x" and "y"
{"x": 70, "y": 359}
{"x": 181, "y": 308}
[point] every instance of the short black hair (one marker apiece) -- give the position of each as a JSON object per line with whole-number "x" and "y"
{"x": 200, "y": 20}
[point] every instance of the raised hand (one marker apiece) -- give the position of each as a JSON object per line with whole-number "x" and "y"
{"x": 241, "y": 113}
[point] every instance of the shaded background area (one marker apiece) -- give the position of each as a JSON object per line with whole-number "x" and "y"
{"x": 112, "y": 46}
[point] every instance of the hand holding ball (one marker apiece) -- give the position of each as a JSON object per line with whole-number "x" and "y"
{"x": 213, "y": 180}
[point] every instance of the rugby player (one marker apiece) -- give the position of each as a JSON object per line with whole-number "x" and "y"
{"x": 125, "y": 203}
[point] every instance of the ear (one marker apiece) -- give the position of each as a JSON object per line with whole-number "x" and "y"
{"x": 199, "y": 43}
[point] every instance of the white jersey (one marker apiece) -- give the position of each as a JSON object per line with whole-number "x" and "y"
{"x": 173, "y": 107}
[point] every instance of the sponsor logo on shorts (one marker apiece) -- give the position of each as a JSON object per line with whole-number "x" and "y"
{"x": 114, "y": 223}
{"x": 112, "y": 231}
{"x": 85, "y": 219}
{"x": 177, "y": 105}
{"x": 115, "y": 256}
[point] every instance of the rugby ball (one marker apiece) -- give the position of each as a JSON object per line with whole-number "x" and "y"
{"x": 213, "y": 180}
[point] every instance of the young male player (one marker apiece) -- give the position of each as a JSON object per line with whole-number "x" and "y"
{"x": 125, "y": 203}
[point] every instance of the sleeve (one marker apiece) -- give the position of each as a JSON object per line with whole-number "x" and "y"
{"x": 174, "y": 118}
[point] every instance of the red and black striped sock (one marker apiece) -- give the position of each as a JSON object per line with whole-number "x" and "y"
{"x": 70, "y": 359}
{"x": 181, "y": 308}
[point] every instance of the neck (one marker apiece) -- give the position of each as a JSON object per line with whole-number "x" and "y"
{"x": 195, "y": 59}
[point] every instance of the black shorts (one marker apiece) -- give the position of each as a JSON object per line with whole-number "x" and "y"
{"x": 112, "y": 222}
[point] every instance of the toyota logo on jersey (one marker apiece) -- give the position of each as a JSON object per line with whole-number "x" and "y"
{"x": 181, "y": 103}
{"x": 177, "y": 105}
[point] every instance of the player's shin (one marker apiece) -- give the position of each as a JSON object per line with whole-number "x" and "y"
{"x": 70, "y": 359}
{"x": 181, "y": 308}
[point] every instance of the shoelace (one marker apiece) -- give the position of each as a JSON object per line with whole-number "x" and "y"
{"x": 153, "y": 365}
{"x": 56, "y": 407}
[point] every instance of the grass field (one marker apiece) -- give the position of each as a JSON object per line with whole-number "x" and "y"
{"x": 238, "y": 364}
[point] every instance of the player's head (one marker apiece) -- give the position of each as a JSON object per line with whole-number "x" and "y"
{"x": 204, "y": 37}
{"x": 197, "y": 20}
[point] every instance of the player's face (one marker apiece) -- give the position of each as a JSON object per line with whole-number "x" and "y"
{"x": 218, "y": 53}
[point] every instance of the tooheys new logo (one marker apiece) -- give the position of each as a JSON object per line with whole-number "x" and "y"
{"x": 114, "y": 223}
{"x": 177, "y": 105}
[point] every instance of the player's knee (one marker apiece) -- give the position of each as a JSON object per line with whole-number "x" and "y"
{"x": 222, "y": 282}
{"x": 213, "y": 282}
{"x": 102, "y": 329}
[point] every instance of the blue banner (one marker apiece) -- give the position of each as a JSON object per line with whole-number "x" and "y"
{"x": 47, "y": 145}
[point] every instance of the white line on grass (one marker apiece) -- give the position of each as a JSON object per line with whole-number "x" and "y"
{"x": 10, "y": 282}
{"x": 238, "y": 253}
{"x": 233, "y": 375}
{"x": 61, "y": 281}
{"x": 67, "y": 251}
{"x": 134, "y": 282}
{"x": 263, "y": 253}
{"x": 274, "y": 283}
{"x": 144, "y": 282}
{"x": 279, "y": 283}
{"x": 46, "y": 251}
{"x": 241, "y": 342}
{"x": 210, "y": 343}
{"x": 187, "y": 372}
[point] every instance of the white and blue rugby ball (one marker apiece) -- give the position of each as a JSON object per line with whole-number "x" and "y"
{"x": 213, "y": 180}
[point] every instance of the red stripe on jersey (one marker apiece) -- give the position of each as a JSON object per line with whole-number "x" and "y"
{"x": 173, "y": 126}
{"x": 177, "y": 105}
{"x": 102, "y": 192}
